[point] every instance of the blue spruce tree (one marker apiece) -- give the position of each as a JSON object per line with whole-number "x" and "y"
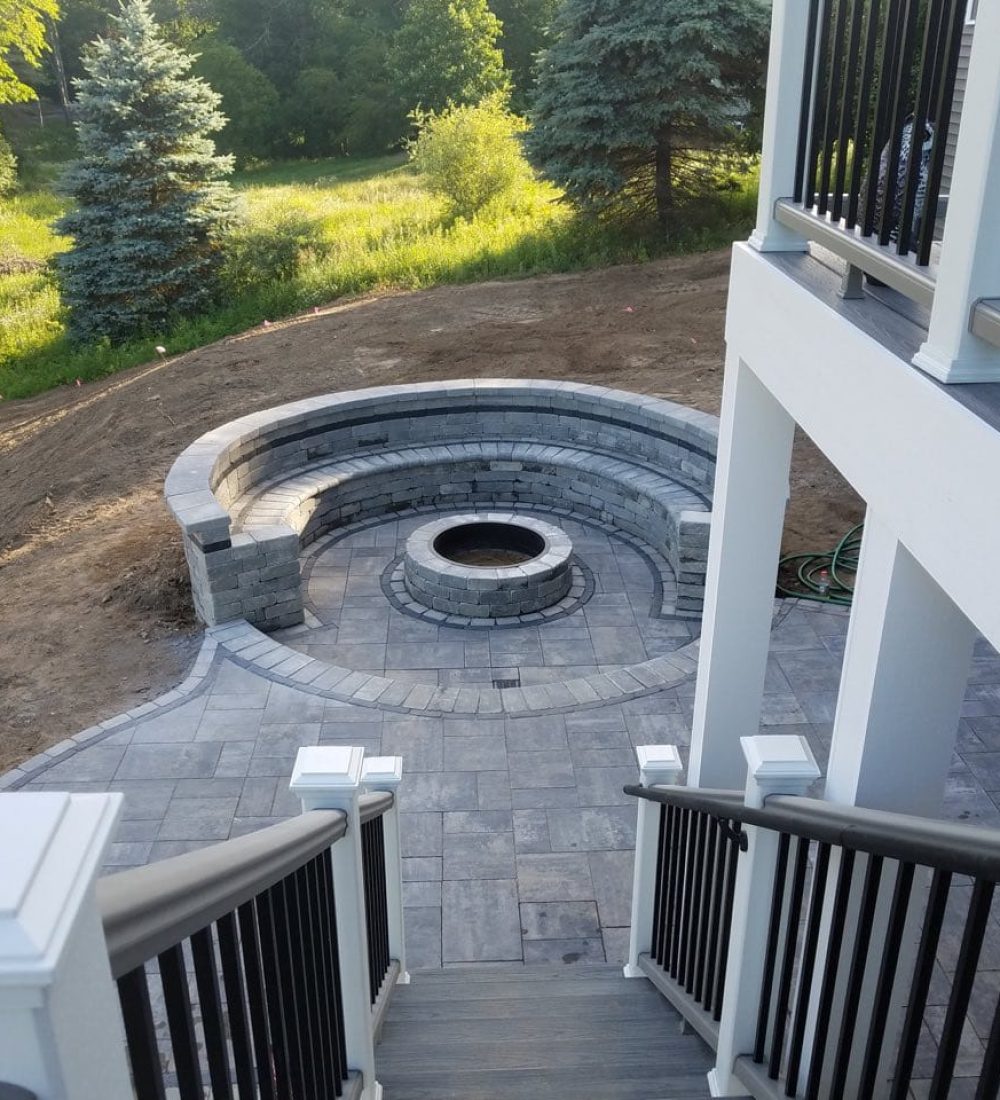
{"x": 633, "y": 94}
{"x": 151, "y": 196}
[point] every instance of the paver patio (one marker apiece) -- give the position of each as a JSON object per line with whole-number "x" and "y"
{"x": 517, "y": 836}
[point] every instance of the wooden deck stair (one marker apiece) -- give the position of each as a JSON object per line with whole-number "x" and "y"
{"x": 514, "y": 1032}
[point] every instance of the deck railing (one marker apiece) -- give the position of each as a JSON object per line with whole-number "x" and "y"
{"x": 876, "y": 111}
{"x": 261, "y": 966}
{"x": 836, "y": 918}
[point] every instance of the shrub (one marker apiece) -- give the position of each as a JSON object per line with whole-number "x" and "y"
{"x": 471, "y": 155}
{"x": 8, "y": 168}
{"x": 274, "y": 250}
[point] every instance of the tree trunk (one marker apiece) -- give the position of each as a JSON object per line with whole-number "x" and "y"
{"x": 663, "y": 183}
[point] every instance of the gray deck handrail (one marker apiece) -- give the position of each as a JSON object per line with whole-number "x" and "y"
{"x": 149, "y": 909}
{"x": 952, "y": 846}
{"x": 375, "y": 804}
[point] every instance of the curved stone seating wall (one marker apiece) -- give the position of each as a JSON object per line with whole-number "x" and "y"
{"x": 249, "y": 493}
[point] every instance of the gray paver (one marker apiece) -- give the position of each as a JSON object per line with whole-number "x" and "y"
{"x": 481, "y": 922}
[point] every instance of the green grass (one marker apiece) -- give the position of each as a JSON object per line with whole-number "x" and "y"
{"x": 312, "y": 232}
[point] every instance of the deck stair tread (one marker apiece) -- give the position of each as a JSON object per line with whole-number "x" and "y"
{"x": 509, "y": 1032}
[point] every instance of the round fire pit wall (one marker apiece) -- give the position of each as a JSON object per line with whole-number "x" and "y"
{"x": 488, "y": 565}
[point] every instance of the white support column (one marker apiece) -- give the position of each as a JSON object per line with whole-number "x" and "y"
{"x": 329, "y": 778}
{"x": 969, "y": 268}
{"x": 785, "y": 71}
{"x": 658, "y": 764}
{"x": 61, "y": 1034}
{"x": 748, "y": 512}
{"x": 906, "y": 664}
{"x": 385, "y": 773}
{"x": 777, "y": 765}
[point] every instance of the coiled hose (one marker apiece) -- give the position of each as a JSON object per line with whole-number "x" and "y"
{"x": 839, "y": 564}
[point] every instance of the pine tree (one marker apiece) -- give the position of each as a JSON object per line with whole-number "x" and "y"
{"x": 446, "y": 53}
{"x": 151, "y": 198}
{"x": 632, "y": 94}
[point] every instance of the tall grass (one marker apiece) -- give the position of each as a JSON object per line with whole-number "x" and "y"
{"x": 313, "y": 232}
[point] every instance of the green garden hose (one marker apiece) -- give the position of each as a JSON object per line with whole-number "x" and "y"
{"x": 826, "y": 576}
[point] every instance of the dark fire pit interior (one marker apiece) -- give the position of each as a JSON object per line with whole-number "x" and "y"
{"x": 489, "y": 544}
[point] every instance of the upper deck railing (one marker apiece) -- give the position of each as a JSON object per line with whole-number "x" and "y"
{"x": 877, "y": 102}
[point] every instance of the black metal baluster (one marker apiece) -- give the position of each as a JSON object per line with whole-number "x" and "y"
{"x": 886, "y": 977}
{"x": 210, "y": 1001}
{"x": 324, "y": 1042}
{"x": 961, "y": 989}
{"x": 328, "y": 911}
{"x": 856, "y": 975}
{"x": 682, "y": 888}
{"x": 942, "y": 122}
{"x": 285, "y": 931}
{"x": 903, "y": 70}
{"x": 673, "y": 876}
{"x": 834, "y": 91}
{"x": 383, "y": 900}
{"x": 656, "y": 937}
{"x": 727, "y": 919}
{"x": 891, "y": 39}
{"x": 140, "y": 1035}
{"x": 848, "y": 109}
{"x": 865, "y": 112}
{"x": 989, "y": 1077}
{"x": 806, "y": 969}
{"x": 297, "y": 948}
{"x": 824, "y": 80}
{"x": 805, "y": 105}
{"x": 708, "y": 885}
{"x": 928, "y": 62}
{"x": 280, "y": 1007}
{"x": 268, "y": 1048}
{"x": 788, "y": 956}
{"x": 831, "y": 963}
{"x": 771, "y": 948}
{"x": 718, "y": 898}
{"x": 236, "y": 1010}
{"x": 697, "y": 884}
{"x": 916, "y": 1002}
{"x": 183, "y": 1042}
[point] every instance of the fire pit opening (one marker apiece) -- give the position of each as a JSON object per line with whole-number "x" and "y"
{"x": 489, "y": 545}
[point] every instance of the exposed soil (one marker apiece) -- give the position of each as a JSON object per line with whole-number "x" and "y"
{"x": 93, "y": 588}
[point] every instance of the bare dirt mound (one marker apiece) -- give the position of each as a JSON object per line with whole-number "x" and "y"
{"x": 93, "y": 590}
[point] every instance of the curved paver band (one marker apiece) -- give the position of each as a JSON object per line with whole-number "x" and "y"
{"x": 640, "y": 462}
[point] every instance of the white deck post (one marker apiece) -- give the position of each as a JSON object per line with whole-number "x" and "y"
{"x": 785, "y": 71}
{"x": 906, "y": 664}
{"x": 658, "y": 764}
{"x": 969, "y": 268}
{"x": 777, "y": 765}
{"x": 385, "y": 773}
{"x": 61, "y": 1035}
{"x": 329, "y": 778}
{"x": 751, "y": 490}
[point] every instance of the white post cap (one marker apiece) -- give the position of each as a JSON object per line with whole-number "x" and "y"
{"x": 778, "y": 764}
{"x": 324, "y": 775}
{"x": 382, "y": 772}
{"x": 658, "y": 764}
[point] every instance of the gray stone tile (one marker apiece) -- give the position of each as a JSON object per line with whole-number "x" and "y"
{"x": 230, "y": 725}
{"x": 423, "y": 937}
{"x": 98, "y": 762}
{"x": 547, "y": 733}
{"x": 603, "y": 786}
{"x": 145, "y": 799}
{"x": 210, "y": 787}
{"x": 167, "y": 849}
{"x": 494, "y": 791}
{"x": 234, "y": 760}
{"x": 432, "y": 655}
{"x": 531, "y": 831}
{"x": 422, "y": 869}
{"x": 612, "y": 876}
{"x": 468, "y": 754}
{"x": 592, "y": 830}
{"x": 438, "y": 791}
{"x": 559, "y": 920}
{"x": 180, "y": 724}
{"x": 481, "y": 921}
{"x": 492, "y": 728}
{"x": 420, "y": 834}
{"x": 617, "y": 645}
{"x": 476, "y": 821}
{"x": 577, "y": 650}
{"x": 285, "y": 705}
{"x": 541, "y": 769}
{"x": 478, "y": 856}
{"x": 286, "y": 738}
{"x": 169, "y": 761}
{"x": 121, "y": 854}
{"x": 542, "y": 798}
{"x": 418, "y": 741}
{"x": 198, "y": 819}
{"x": 421, "y": 893}
{"x": 590, "y": 950}
{"x": 244, "y": 825}
{"x": 615, "y": 944}
{"x": 563, "y": 876}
